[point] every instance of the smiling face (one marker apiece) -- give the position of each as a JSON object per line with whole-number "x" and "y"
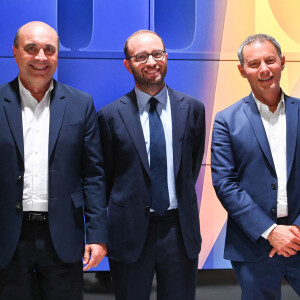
{"x": 36, "y": 55}
{"x": 148, "y": 76}
{"x": 262, "y": 68}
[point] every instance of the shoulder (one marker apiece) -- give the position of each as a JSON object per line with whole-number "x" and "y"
{"x": 12, "y": 86}
{"x": 70, "y": 91}
{"x": 290, "y": 99}
{"x": 5, "y": 86}
{"x": 9, "y": 90}
{"x": 233, "y": 109}
{"x": 180, "y": 96}
{"x": 113, "y": 107}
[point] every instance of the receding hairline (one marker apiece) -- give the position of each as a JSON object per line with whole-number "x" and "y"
{"x": 139, "y": 32}
{"x": 19, "y": 31}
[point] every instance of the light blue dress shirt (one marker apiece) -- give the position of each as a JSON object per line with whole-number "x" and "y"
{"x": 163, "y": 108}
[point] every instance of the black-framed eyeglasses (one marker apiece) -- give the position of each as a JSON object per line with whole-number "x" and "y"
{"x": 143, "y": 56}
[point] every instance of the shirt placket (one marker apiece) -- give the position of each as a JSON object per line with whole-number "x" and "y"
{"x": 36, "y": 140}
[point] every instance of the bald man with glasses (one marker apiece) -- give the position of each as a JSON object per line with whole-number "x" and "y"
{"x": 153, "y": 143}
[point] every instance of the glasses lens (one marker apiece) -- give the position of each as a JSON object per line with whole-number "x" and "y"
{"x": 141, "y": 57}
{"x": 157, "y": 55}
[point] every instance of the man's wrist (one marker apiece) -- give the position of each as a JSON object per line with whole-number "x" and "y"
{"x": 268, "y": 231}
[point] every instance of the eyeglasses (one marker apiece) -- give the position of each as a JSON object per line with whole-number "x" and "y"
{"x": 143, "y": 56}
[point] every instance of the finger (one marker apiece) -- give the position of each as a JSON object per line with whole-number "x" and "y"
{"x": 86, "y": 256}
{"x": 93, "y": 262}
{"x": 87, "y": 267}
{"x": 272, "y": 252}
{"x": 287, "y": 252}
{"x": 295, "y": 230}
{"x": 292, "y": 247}
{"x": 291, "y": 252}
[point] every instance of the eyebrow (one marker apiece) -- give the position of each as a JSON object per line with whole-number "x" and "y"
{"x": 34, "y": 44}
{"x": 29, "y": 45}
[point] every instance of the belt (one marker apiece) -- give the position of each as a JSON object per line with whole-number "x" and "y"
{"x": 283, "y": 221}
{"x": 35, "y": 216}
{"x": 169, "y": 214}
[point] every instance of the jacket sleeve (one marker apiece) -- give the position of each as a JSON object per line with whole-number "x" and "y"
{"x": 93, "y": 180}
{"x": 241, "y": 208}
{"x": 107, "y": 147}
{"x": 200, "y": 138}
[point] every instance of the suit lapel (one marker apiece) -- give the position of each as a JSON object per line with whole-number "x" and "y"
{"x": 57, "y": 109}
{"x": 254, "y": 118}
{"x": 179, "y": 111}
{"x": 292, "y": 115}
{"x": 130, "y": 116}
{"x": 13, "y": 111}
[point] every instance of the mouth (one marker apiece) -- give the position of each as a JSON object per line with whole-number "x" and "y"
{"x": 266, "y": 79}
{"x": 40, "y": 67}
{"x": 151, "y": 71}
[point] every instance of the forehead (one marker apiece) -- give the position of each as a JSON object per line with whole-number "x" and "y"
{"x": 144, "y": 42}
{"x": 38, "y": 35}
{"x": 259, "y": 50}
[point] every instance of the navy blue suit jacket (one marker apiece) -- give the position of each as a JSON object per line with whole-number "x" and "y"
{"x": 128, "y": 173}
{"x": 76, "y": 176}
{"x": 245, "y": 179}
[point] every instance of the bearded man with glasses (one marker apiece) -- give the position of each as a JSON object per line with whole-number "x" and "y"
{"x": 153, "y": 144}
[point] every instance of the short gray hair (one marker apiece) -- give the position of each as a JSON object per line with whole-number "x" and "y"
{"x": 260, "y": 37}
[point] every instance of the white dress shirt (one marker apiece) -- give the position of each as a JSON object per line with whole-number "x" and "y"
{"x": 35, "y": 120}
{"x": 163, "y": 108}
{"x": 275, "y": 128}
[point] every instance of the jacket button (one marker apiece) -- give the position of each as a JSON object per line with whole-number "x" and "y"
{"x": 273, "y": 186}
{"x": 147, "y": 209}
{"x": 20, "y": 177}
{"x": 273, "y": 211}
{"x": 147, "y": 178}
{"x": 18, "y": 206}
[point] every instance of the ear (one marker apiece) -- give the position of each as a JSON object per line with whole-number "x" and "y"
{"x": 14, "y": 52}
{"x": 282, "y": 62}
{"x": 127, "y": 65}
{"x": 242, "y": 71}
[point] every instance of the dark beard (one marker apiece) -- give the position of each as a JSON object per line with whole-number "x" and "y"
{"x": 147, "y": 85}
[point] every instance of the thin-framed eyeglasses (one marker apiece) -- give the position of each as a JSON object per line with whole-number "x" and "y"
{"x": 143, "y": 57}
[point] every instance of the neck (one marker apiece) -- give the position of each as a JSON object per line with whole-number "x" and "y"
{"x": 151, "y": 89}
{"x": 271, "y": 100}
{"x": 37, "y": 91}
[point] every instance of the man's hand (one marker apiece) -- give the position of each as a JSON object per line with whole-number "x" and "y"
{"x": 93, "y": 254}
{"x": 285, "y": 240}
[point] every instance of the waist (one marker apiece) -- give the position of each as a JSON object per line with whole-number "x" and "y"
{"x": 35, "y": 216}
{"x": 283, "y": 221}
{"x": 169, "y": 214}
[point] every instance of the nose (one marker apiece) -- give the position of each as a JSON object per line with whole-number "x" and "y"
{"x": 41, "y": 55}
{"x": 264, "y": 68}
{"x": 151, "y": 60}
